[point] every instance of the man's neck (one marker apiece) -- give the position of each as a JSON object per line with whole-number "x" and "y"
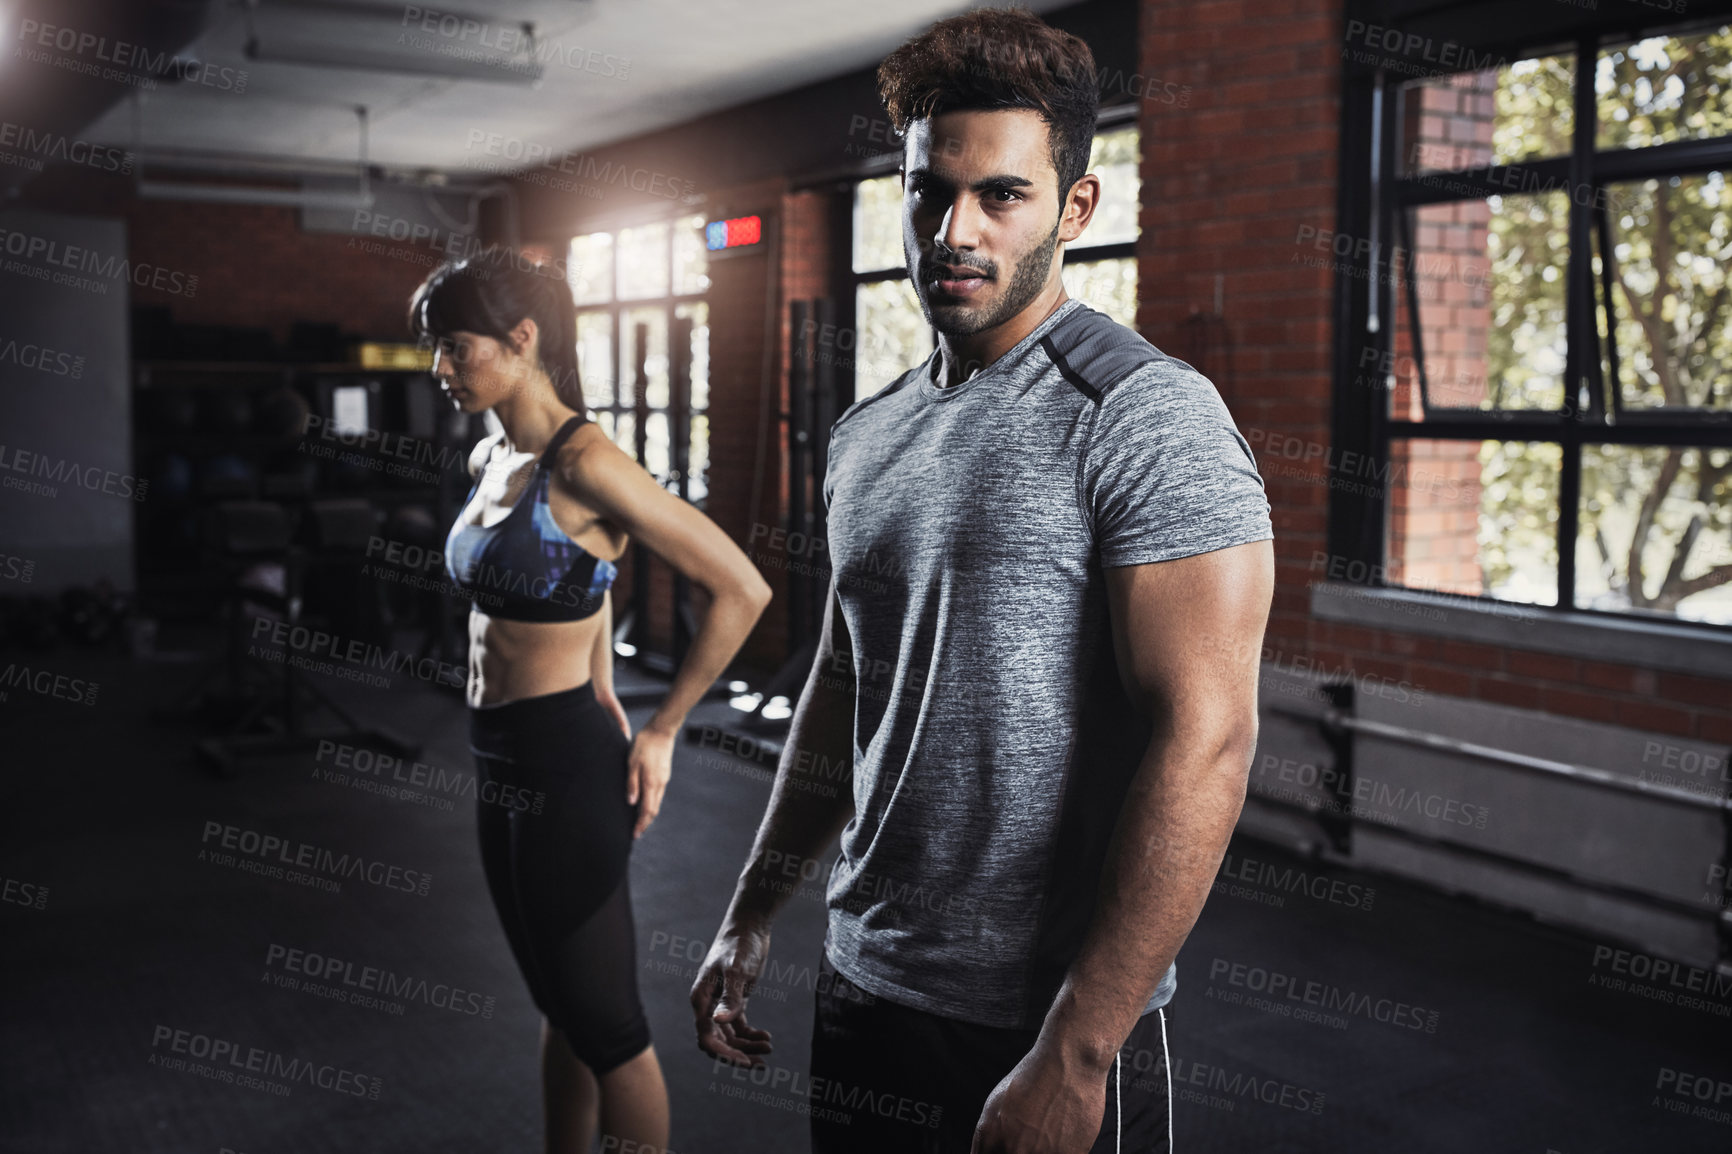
{"x": 959, "y": 358}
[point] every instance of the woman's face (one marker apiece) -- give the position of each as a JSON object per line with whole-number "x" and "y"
{"x": 478, "y": 372}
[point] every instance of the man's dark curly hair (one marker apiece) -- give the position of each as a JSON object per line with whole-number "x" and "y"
{"x": 999, "y": 58}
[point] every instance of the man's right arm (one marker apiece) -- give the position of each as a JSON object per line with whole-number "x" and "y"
{"x": 813, "y": 795}
{"x": 811, "y": 800}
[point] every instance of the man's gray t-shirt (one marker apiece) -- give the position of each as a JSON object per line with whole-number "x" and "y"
{"x": 993, "y": 740}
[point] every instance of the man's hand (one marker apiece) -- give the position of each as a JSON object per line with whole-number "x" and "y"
{"x": 1049, "y": 1104}
{"x": 724, "y": 982}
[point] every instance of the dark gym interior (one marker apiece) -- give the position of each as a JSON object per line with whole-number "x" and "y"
{"x": 1459, "y": 270}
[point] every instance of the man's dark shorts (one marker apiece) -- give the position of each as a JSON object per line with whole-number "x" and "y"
{"x": 887, "y": 1077}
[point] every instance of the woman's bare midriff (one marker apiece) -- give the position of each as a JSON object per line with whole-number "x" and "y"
{"x": 511, "y": 660}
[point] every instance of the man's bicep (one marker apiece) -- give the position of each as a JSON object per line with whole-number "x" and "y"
{"x": 1188, "y": 635}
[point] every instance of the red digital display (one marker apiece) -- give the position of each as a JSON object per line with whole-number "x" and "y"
{"x": 732, "y": 233}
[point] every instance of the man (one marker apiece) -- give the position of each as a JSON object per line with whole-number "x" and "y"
{"x": 1052, "y": 571}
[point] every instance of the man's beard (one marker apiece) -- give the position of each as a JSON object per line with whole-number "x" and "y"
{"x": 960, "y": 320}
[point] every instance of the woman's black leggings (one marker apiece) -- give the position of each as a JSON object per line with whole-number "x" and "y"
{"x": 556, "y": 842}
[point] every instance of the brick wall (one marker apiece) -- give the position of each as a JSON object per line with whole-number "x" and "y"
{"x": 1228, "y": 184}
{"x": 257, "y": 269}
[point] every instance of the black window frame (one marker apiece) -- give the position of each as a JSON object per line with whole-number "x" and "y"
{"x": 1375, "y": 202}
{"x": 679, "y": 445}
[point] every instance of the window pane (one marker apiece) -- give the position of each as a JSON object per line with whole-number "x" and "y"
{"x": 1489, "y": 277}
{"x": 699, "y": 311}
{"x": 625, "y": 433}
{"x": 1107, "y": 285}
{"x": 1671, "y": 241}
{"x": 1680, "y": 500}
{"x": 1493, "y": 116}
{"x": 589, "y": 268}
{"x": 1474, "y": 517}
{"x": 698, "y": 481}
{"x": 643, "y": 261}
{"x": 1664, "y": 88}
{"x": 595, "y": 358}
{"x": 1115, "y": 160}
{"x": 657, "y": 449}
{"x": 891, "y": 335}
{"x": 655, "y": 367}
{"x": 691, "y": 257}
{"x": 878, "y": 224}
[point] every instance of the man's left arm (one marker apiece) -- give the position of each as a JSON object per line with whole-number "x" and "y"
{"x": 1187, "y": 635}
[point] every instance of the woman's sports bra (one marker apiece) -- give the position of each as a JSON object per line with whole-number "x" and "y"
{"x": 525, "y": 568}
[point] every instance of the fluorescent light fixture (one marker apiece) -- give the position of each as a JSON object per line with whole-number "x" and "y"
{"x": 386, "y": 24}
{"x": 506, "y": 70}
{"x": 240, "y": 194}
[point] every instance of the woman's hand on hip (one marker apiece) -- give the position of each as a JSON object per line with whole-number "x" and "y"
{"x": 612, "y": 705}
{"x": 647, "y": 772}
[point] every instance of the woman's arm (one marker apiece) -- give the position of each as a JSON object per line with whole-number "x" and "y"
{"x": 618, "y": 488}
{"x": 613, "y": 484}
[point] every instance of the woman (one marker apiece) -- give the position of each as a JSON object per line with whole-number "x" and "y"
{"x": 553, "y": 505}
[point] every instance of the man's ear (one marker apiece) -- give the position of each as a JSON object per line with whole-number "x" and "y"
{"x": 1079, "y": 207}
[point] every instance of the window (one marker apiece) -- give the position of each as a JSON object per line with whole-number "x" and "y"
{"x": 1547, "y": 413}
{"x": 632, "y": 287}
{"x": 1100, "y": 269}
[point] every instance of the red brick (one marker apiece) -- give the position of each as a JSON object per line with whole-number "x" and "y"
{"x": 1506, "y": 692}
{"x": 1683, "y": 688}
{"x": 1546, "y": 666}
{"x": 1651, "y": 716}
{"x": 1600, "y": 675}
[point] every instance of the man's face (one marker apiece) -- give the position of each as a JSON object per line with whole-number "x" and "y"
{"x": 980, "y": 220}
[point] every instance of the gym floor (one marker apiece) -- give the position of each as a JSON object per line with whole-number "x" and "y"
{"x": 1462, "y": 1028}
